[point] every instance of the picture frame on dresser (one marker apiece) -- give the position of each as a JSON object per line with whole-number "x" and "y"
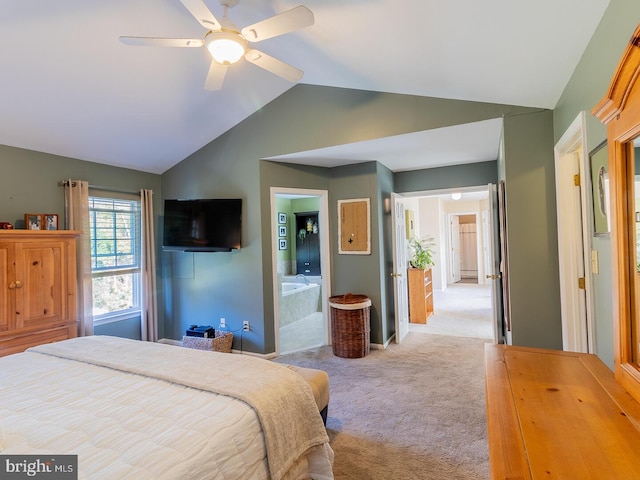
{"x": 50, "y": 221}
{"x": 33, "y": 221}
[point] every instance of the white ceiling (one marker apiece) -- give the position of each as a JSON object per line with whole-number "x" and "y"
{"x": 70, "y": 88}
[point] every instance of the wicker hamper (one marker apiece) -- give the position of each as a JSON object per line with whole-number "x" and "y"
{"x": 350, "y": 325}
{"x": 220, "y": 343}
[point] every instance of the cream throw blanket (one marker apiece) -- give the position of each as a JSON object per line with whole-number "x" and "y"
{"x": 282, "y": 400}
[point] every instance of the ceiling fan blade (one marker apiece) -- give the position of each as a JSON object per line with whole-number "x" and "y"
{"x": 285, "y": 22}
{"x": 201, "y": 12}
{"x": 273, "y": 65}
{"x": 162, "y": 42}
{"x": 215, "y": 77}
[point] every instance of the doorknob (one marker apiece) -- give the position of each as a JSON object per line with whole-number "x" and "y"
{"x": 494, "y": 277}
{"x": 396, "y": 274}
{"x": 18, "y": 284}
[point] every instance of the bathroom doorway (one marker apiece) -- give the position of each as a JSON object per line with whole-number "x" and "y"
{"x": 300, "y": 268}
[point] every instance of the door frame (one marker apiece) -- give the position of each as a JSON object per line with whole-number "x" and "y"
{"x": 444, "y": 232}
{"x": 480, "y": 256}
{"x": 577, "y": 328}
{"x": 325, "y": 256}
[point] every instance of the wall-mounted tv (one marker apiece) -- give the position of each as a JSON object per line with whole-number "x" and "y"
{"x": 204, "y": 225}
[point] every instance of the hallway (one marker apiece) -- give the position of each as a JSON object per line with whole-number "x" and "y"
{"x": 462, "y": 310}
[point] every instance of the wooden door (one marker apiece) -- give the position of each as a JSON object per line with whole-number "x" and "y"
{"x": 7, "y": 287}
{"x": 41, "y": 287}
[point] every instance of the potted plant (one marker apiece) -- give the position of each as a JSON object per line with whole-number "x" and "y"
{"x": 422, "y": 252}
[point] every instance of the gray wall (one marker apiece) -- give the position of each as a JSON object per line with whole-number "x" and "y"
{"x": 359, "y": 274}
{"x": 386, "y": 180}
{"x": 532, "y": 232}
{"x": 457, "y": 176}
{"x": 202, "y": 287}
{"x": 307, "y": 117}
{"x": 29, "y": 184}
{"x": 587, "y": 86}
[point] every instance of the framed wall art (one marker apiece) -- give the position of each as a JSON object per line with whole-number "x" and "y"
{"x": 599, "y": 161}
{"x": 354, "y": 228}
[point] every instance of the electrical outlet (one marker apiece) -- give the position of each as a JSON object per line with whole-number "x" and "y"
{"x": 245, "y": 326}
{"x": 223, "y": 323}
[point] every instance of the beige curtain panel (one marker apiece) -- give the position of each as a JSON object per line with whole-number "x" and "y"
{"x": 76, "y": 199}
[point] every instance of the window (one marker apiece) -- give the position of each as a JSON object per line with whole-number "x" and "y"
{"x": 115, "y": 257}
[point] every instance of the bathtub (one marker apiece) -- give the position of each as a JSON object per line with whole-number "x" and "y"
{"x": 290, "y": 288}
{"x": 299, "y": 299}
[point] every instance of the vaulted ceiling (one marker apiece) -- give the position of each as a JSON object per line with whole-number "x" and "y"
{"x": 70, "y": 87}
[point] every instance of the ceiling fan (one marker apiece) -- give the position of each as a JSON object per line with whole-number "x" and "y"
{"x": 228, "y": 44}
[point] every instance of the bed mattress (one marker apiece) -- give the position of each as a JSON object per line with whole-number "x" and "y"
{"x": 125, "y": 425}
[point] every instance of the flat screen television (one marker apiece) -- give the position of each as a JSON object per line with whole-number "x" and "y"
{"x": 204, "y": 225}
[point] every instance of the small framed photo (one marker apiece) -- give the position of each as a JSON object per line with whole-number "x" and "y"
{"x": 282, "y": 217}
{"x": 33, "y": 221}
{"x": 50, "y": 221}
{"x": 282, "y": 244}
{"x": 282, "y": 230}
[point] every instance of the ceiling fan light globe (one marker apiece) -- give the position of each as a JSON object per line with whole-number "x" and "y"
{"x": 225, "y": 48}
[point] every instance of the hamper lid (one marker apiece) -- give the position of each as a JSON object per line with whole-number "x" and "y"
{"x": 349, "y": 301}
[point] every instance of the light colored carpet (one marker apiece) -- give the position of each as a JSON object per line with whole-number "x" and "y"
{"x": 413, "y": 411}
{"x": 461, "y": 310}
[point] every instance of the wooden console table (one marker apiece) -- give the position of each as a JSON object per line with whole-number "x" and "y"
{"x": 558, "y": 415}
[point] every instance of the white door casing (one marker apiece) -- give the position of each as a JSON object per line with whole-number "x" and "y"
{"x": 574, "y": 238}
{"x": 399, "y": 274}
{"x": 325, "y": 255}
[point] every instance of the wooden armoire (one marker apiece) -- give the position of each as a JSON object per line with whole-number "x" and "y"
{"x": 37, "y": 288}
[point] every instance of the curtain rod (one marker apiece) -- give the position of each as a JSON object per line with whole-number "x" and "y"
{"x": 63, "y": 183}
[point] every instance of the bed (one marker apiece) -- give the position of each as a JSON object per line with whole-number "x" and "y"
{"x": 136, "y": 410}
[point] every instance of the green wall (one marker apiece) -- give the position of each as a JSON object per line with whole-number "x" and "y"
{"x": 456, "y": 176}
{"x": 359, "y": 274}
{"x": 29, "y": 184}
{"x": 532, "y": 232}
{"x": 239, "y": 285}
{"x": 587, "y": 86}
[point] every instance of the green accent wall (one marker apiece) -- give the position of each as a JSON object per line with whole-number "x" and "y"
{"x": 587, "y": 86}
{"x": 532, "y": 232}
{"x": 29, "y": 184}
{"x": 457, "y": 176}
{"x": 239, "y": 285}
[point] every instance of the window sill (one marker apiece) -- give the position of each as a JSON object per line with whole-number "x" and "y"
{"x": 116, "y": 318}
